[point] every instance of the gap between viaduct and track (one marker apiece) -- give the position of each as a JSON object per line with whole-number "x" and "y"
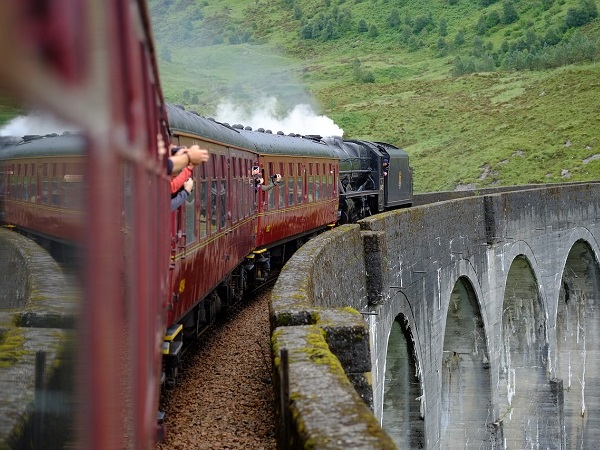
{"x": 466, "y": 322}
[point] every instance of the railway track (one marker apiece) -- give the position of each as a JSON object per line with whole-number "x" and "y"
{"x": 224, "y": 397}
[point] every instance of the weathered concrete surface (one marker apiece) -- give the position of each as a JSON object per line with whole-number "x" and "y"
{"x": 325, "y": 412}
{"x": 523, "y": 265}
{"x": 38, "y": 305}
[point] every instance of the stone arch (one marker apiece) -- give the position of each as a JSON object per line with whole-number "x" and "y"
{"x": 578, "y": 346}
{"x": 466, "y": 403}
{"x": 526, "y": 398}
{"x": 402, "y": 416}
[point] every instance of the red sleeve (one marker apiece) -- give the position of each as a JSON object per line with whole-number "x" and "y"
{"x": 178, "y": 181}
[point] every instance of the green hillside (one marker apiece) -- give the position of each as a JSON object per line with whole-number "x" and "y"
{"x": 478, "y": 92}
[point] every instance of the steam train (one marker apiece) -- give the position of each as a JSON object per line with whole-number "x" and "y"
{"x": 150, "y": 278}
{"x": 228, "y": 236}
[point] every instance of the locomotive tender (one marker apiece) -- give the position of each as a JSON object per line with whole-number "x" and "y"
{"x": 228, "y": 235}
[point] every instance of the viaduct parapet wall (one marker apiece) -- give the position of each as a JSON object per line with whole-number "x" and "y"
{"x": 486, "y": 294}
{"x": 38, "y": 302}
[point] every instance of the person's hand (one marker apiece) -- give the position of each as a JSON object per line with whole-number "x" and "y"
{"x": 188, "y": 185}
{"x": 197, "y": 155}
{"x": 160, "y": 143}
{"x": 278, "y": 178}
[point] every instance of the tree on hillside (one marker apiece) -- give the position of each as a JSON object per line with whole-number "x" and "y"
{"x": 394, "y": 19}
{"x": 373, "y": 31}
{"x": 459, "y": 39}
{"x": 510, "y": 13}
{"x": 362, "y": 26}
{"x": 443, "y": 27}
{"x": 583, "y": 14}
{"x": 481, "y": 26}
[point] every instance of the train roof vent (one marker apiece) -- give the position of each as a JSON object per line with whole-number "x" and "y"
{"x": 238, "y": 126}
{"x": 261, "y": 130}
{"x": 248, "y": 128}
{"x": 268, "y": 131}
{"x": 196, "y": 113}
{"x": 180, "y": 107}
{"x": 280, "y": 133}
{"x": 212, "y": 119}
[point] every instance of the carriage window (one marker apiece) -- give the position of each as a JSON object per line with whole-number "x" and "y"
{"x": 45, "y": 197}
{"x": 299, "y": 190}
{"x": 330, "y": 182}
{"x": 281, "y": 187}
{"x": 190, "y": 218}
{"x": 271, "y": 197}
{"x": 213, "y": 212}
{"x": 54, "y": 186}
{"x": 240, "y": 198}
{"x": 318, "y": 184}
{"x": 223, "y": 203}
{"x": 33, "y": 189}
{"x": 311, "y": 183}
{"x": 19, "y": 194}
{"x": 203, "y": 202}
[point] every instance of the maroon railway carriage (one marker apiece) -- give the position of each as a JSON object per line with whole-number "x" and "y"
{"x": 44, "y": 189}
{"x": 91, "y": 62}
{"x": 228, "y": 233}
{"x": 306, "y": 199}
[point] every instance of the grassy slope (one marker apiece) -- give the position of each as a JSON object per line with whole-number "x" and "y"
{"x": 511, "y": 126}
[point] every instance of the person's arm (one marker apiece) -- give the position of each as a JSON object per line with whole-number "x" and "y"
{"x": 179, "y": 199}
{"x": 178, "y": 181}
{"x": 274, "y": 182}
{"x": 182, "y": 195}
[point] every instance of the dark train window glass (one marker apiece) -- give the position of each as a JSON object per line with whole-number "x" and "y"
{"x": 299, "y": 190}
{"x": 190, "y": 218}
{"x": 45, "y": 169}
{"x": 223, "y": 203}
{"x": 33, "y": 189}
{"x": 25, "y": 189}
{"x": 240, "y": 198}
{"x": 271, "y": 197}
{"x": 223, "y": 166}
{"x": 310, "y": 188}
{"x": 213, "y": 212}
{"x": 250, "y": 200}
{"x": 318, "y": 187}
{"x": 55, "y": 192}
{"x": 45, "y": 194}
{"x": 235, "y": 167}
{"x": 203, "y": 202}
{"x": 19, "y": 192}
{"x": 13, "y": 187}
{"x": 54, "y": 174}
{"x": 291, "y": 197}
{"x": 281, "y": 187}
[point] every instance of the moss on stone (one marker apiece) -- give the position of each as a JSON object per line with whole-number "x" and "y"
{"x": 11, "y": 347}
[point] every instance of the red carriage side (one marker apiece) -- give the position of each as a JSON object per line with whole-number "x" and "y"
{"x": 92, "y": 63}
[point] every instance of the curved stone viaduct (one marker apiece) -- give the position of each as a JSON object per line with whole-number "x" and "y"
{"x": 38, "y": 302}
{"x": 470, "y": 322}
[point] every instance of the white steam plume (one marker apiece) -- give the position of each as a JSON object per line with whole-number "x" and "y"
{"x": 35, "y": 123}
{"x": 301, "y": 119}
